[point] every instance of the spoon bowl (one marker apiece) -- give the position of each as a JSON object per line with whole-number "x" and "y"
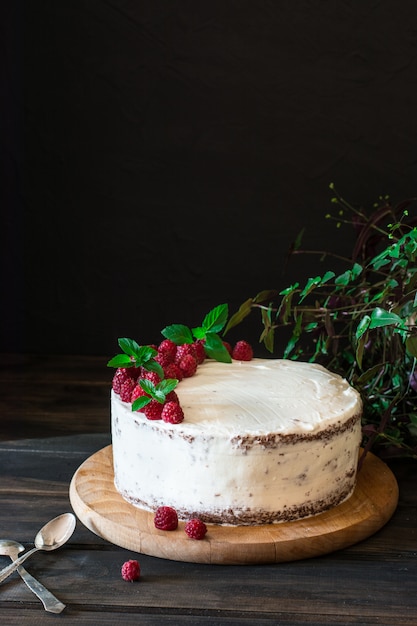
{"x": 50, "y": 537}
{"x": 56, "y": 532}
{"x": 10, "y": 548}
{"x": 50, "y": 602}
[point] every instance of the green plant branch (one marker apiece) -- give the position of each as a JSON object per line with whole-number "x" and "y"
{"x": 361, "y": 323}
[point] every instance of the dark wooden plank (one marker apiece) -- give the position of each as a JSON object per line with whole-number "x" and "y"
{"x": 58, "y": 421}
{"x": 74, "y": 615}
{"x": 44, "y": 368}
{"x": 354, "y": 584}
{"x": 54, "y": 395}
{"x": 85, "y": 579}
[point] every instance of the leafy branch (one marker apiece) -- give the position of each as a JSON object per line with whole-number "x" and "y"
{"x": 361, "y": 322}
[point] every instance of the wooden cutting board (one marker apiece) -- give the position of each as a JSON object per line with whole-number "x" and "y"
{"x": 101, "y": 509}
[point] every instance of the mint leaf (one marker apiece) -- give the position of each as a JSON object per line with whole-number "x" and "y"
{"x": 159, "y": 391}
{"x": 120, "y": 360}
{"x": 147, "y": 385}
{"x": 140, "y": 402}
{"x": 199, "y": 332}
{"x": 178, "y": 333}
{"x": 213, "y": 323}
{"x": 159, "y": 396}
{"x": 154, "y": 366}
{"x": 216, "y": 319}
{"x": 167, "y": 385}
{"x": 129, "y": 346}
{"x": 215, "y": 348}
{"x": 145, "y": 353}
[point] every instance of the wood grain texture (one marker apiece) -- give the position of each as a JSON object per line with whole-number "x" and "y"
{"x": 101, "y": 508}
{"x": 371, "y": 582}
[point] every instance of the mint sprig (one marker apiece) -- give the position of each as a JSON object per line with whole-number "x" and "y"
{"x": 156, "y": 392}
{"x": 135, "y": 355}
{"x": 212, "y": 324}
{"x": 178, "y": 333}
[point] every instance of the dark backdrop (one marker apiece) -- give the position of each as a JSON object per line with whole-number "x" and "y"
{"x": 160, "y": 157}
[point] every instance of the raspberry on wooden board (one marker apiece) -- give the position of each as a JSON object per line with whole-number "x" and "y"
{"x": 166, "y": 518}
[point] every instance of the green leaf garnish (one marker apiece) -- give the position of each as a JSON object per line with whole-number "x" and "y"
{"x": 216, "y": 319}
{"x": 215, "y": 349}
{"x": 178, "y": 333}
{"x": 199, "y": 332}
{"x": 120, "y": 360}
{"x": 148, "y": 386}
{"x": 129, "y": 346}
{"x": 167, "y": 385}
{"x": 136, "y": 356}
{"x": 153, "y": 366}
{"x": 212, "y": 324}
{"x": 156, "y": 392}
{"x": 140, "y": 403}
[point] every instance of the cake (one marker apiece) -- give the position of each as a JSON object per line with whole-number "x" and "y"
{"x": 262, "y": 441}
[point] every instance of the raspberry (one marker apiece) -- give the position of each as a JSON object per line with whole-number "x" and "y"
{"x": 199, "y": 352}
{"x": 172, "y": 413}
{"x": 126, "y": 389}
{"x": 122, "y": 374}
{"x": 188, "y": 366}
{"x": 153, "y": 410}
{"x": 172, "y": 397}
{"x": 164, "y": 359}
{"x": 172, "y": 370}
{"x": 137, "y": 393}
{"x": 152, "y": 376}
{"x": 119, "y": 378}
{"x": 133, "y": 372}
{"x": 169, "y": 349}
{"x": 195, "y": 529}
{"x": 131, "y": 570}
{"x": 228, "y": 347}
{"x": 166, "y": 518}
{"x": 242, "y": 351}
{"x": 183, "y": 349}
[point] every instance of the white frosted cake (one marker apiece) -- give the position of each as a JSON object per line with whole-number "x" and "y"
{"x": 262, "y": 441}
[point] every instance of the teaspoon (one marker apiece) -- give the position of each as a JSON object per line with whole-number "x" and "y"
{"x": 50, "y": 602}
{"x": 52, "y": 536}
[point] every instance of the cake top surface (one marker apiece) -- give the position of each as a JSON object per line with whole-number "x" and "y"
{"x": 264, "y": 396}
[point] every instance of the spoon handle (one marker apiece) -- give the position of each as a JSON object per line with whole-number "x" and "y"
{"x": 9, "y": 569}
{"x": 49, "y": 601}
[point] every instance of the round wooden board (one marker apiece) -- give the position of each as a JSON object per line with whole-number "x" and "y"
{"x": 103, "y": 511}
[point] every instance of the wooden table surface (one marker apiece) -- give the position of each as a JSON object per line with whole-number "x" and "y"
{"x": 54, "y": 414}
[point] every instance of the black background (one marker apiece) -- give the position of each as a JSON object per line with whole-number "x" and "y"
{"x": 159, "y": 157}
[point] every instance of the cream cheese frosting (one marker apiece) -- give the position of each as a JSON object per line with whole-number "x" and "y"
{"x": 263, "y": 396}
{"x": 263, "y": 441}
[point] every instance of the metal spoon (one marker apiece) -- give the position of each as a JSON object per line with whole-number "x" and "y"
{"x": 52, "y": 536}
{"x": 12, "y": 549}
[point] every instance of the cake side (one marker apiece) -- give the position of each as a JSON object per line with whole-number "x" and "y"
{"x": 282, "y": 449}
